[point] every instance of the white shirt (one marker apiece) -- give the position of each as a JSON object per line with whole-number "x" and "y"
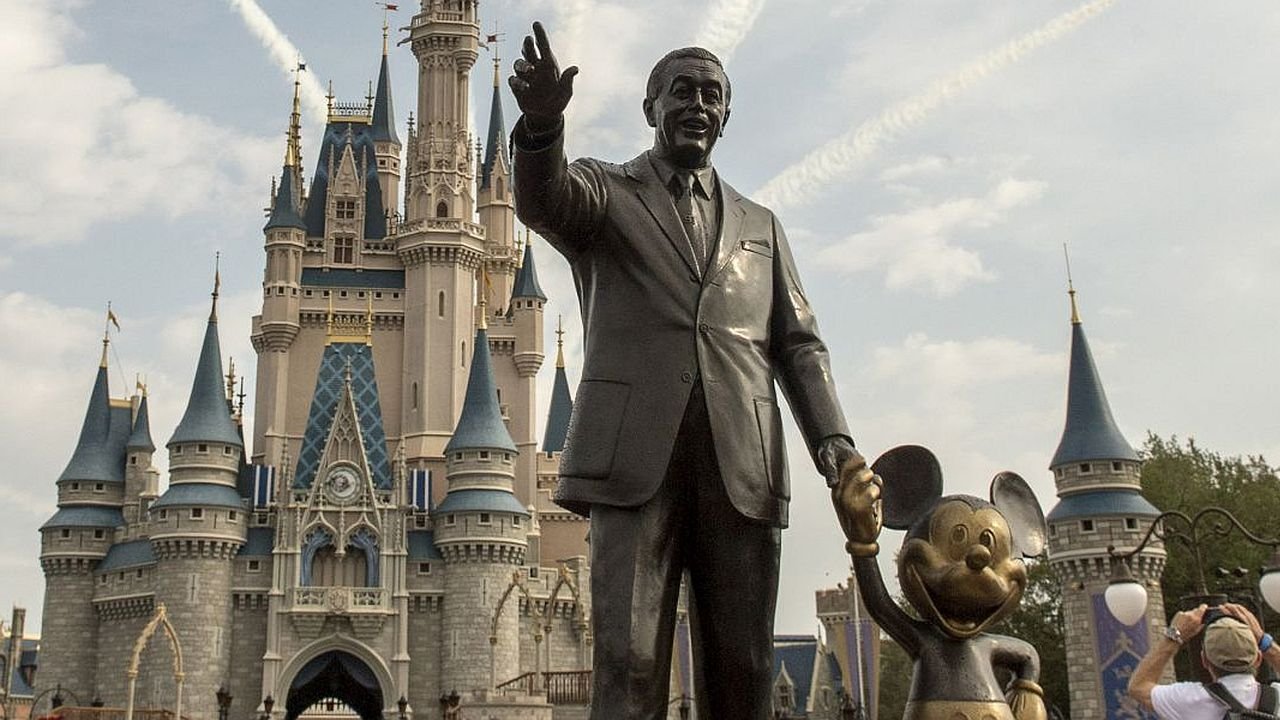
{"x": 1190, "y": 701}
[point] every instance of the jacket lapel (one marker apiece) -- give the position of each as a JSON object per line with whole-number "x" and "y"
{"x": 657, "y": 200}
{"x": 730, "y": 228}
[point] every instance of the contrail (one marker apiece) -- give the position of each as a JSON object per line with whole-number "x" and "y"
{"x": 727, "y": 24}
{"x": 803, "y": 180}
{"x": 286, "y": 55}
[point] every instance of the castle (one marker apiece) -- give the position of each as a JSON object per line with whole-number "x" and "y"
{"x": 386, "y": 543}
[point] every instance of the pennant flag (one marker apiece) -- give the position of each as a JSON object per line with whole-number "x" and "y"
{"x": 391, "y": 7}
{"x": 264, "y": 485}
{"x": 111, "y": 317}
{"x": 491, "y": 39}
{"x": 420, "y": 489}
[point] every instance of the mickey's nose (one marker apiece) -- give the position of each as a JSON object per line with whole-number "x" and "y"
{"x": 977, "y": 558}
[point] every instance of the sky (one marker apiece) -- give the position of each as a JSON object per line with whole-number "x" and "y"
{"x": 928, "y": 159}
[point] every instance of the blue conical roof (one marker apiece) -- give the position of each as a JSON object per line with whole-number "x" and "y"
{"x": 140, "y": 437}
{"x": 95, "y": 459}
{"x": 527, "y": 279}
{"x": 384, "y": 117}
{"x": 495, "y": 144}
{"x": 481, "y": 425}
{"x": 558, "y": 415}
{"x": 285, "y": 211}
{"x": 208, "y": 419}
{"x": 1090, "y": 432}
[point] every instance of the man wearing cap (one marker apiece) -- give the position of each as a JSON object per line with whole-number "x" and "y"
{"x": 1234, "y": 646}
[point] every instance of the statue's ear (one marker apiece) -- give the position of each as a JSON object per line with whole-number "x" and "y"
{"x": 1013, "y": 497}
{"x": 648, "y": 113}
{"x": 912, "y": 483}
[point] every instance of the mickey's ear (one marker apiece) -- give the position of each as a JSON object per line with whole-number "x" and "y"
{"x": 912, "y": 482}
{"x": 1013, "y": 496}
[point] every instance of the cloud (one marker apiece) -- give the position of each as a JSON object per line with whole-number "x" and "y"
{"x": 727, "y": 24}
{"x": 118, "y": 155}
{"x": 805, "y": 179}
{"x": 916, "y": 248}
{"x": 286, "y": 56}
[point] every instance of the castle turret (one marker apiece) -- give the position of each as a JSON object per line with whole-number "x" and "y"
{"x": 480, "y": 530}
{"x": 557, "y": 427}
{"x": 275, "y": 330}
{"x": 494, "y": 205}
{"x": 1099, "y": 480}
{"x": 526, "y": 313}
{"x": 386, "y": 143}
{"x": 199, "y": 524}
{"x": 141, "y": 478}
{"x": 78, "y": 536}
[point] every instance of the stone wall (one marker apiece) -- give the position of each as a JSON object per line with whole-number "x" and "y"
{"x": 425, "y": 655}
{"x": 69, "y": 631}
{"x": 248, "y": 643}
{"x": 472, "y": 593}
{"x": 196, "y": 591}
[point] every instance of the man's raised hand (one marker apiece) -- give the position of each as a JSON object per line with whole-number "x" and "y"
{"x": 541, "y": 90}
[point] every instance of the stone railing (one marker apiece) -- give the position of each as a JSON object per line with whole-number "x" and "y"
{"x": 340, "y": 599}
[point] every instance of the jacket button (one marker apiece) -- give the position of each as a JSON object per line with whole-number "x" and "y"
{"x": 686, "y": 376}
{"x": 704, "y": 328}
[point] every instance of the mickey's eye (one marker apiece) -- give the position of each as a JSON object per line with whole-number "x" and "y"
{"x": 959, "y": 534}
{"x": 987, "y": 538}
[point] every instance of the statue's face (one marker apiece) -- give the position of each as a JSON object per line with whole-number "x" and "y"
{"x": 689, "y": 111}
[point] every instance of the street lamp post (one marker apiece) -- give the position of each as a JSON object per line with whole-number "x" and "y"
{"x": 267, "y": 704}
{"x": 1127, "y": 599}
{"x": 449, "y": 705}
{"x": 403, "y": 704}
{"x": 224, "y": 702}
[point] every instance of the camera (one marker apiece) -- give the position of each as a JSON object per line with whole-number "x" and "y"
{"x": 1213, "y": 615}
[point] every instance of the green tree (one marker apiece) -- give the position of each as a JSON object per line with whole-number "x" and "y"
{"x": 895, "y": 678}
{"x": 1038, "y": 619}
{"x": 1183, "y": 476}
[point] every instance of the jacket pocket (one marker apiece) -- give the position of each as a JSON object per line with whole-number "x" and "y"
{"x": 594, "y": 426}
{"x": 769, "y": 422}
{"x": 759, "y": 246}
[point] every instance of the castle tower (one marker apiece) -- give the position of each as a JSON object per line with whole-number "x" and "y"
{"x": 562, "y": 533}
{"x": 77, "y": 538}
{"x": 1099, "y": 481}
{"x": 276, "y": 328}
{"x": 526, "y": 317}
{"x": 199, "y": 524}
{"x": 480, "y": 531}
{"x": 854, "y": 639}
{"x": 386, "y": 143}
{"x": 141, "y": 478}
{"x": 438, "y": 245}
{"x": 494, "y": 203}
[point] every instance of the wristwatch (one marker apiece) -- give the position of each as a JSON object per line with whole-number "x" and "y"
{"x": 1265, "y": 642}
{"x": 1173, "y": 634}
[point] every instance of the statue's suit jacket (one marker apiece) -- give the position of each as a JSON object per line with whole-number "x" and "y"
{"x": 651, "y": 326}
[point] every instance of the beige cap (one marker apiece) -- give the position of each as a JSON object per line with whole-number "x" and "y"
{"x": 1229, "y": 645}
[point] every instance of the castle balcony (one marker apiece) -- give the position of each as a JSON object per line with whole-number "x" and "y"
{"x": 367, "y": 608}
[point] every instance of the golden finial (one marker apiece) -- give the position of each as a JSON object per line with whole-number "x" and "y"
{"x": 140, "y": 385}
{"x": 328, "y": 324}
{"x": 560, "y": 341}
{"x": 106, "y": 335}
{"x": 231, "y": 378}
{"x": 1071, "y": 289}
{"x": 368, "y": 321}
{"x": 293, "y": 148}
{"x": 217, "y": 285}
{"x": 484, "y": 298}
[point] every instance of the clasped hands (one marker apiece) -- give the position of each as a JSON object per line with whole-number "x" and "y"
{"x": 855, "y": 492}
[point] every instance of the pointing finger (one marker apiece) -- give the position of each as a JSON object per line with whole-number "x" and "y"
{"x": 544, "y": 45}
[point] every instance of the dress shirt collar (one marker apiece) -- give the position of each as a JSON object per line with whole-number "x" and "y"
{"x": 704, "y": 177}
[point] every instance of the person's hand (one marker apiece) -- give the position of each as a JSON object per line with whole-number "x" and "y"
{"x": 834, "y": 452}
{"x": 541, "y": 90}
{"x": 857, "y": 501}
{"x": 1242, "y": 614}
{"x": 1189, "y": 622}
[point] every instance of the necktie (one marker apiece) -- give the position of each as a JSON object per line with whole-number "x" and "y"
{"x": 694, "y": 228}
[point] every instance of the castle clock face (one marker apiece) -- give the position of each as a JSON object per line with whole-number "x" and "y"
{"x": 342, "y": 483}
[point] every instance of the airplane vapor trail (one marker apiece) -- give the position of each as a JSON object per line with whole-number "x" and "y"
{"x": 803, "y": 180}
{"x": 727, "y": 25}
{"x": 286, "y": 55}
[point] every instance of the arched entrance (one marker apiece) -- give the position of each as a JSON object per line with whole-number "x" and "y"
{"x": 339, "y": 675}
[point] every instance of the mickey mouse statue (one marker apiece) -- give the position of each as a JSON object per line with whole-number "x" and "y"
{"x": 961, "y": 568}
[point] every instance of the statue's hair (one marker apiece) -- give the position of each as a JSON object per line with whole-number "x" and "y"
{"x": 652, "y": 88}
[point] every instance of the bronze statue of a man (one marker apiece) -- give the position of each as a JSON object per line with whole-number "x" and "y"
{"x": 691, "y": 307}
